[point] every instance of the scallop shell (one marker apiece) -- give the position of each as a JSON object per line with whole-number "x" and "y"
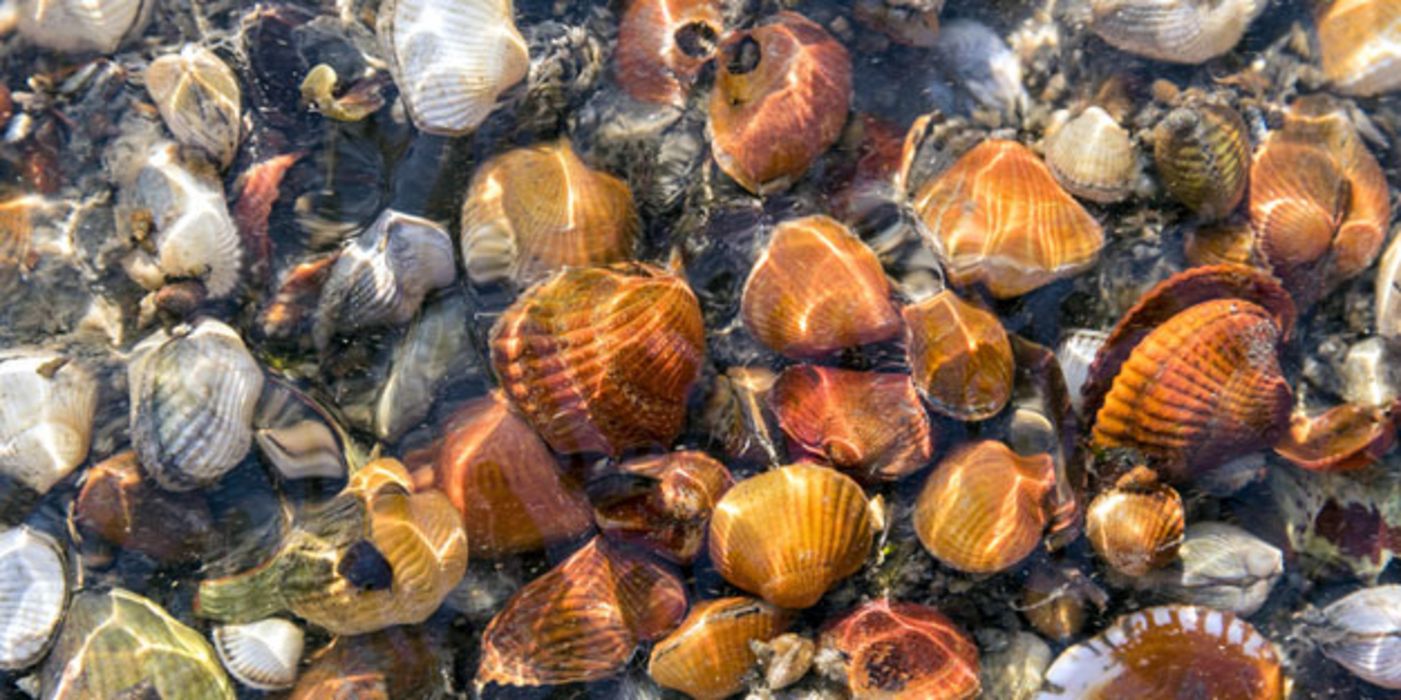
{"x": 1360, "y": 632}
{"x": 1202, "y": 152}
{"x": 199, "y": 99}
{"x": 960, "y": 357}
{"x": 47, "y": 405}
{"x": 999, "y": 219}
{"x": 534, "y": 210}
{"x": 1075, "y": 353}
{"x": 1220, "y": 566}
{"x": 788, "y": 534}
{"x": 123, "y": 507}
{"x": 782, "y": 92}
{"x": 1360, "y": 45}
{"x": 983, "y": 509}
{"x": 1093, "y": 158}
{"x": 1136, "y": 525}
{"x": 80, "y": 26}
{"x": 33, "y": 594}
{"x": 193, "y": 394}
{"x": 452, "y": 59}
{"x": 1175, "y": 651}
{"x": 1343, "y": 438}
{"x": 801, "y": 314}
{"x": 662, "y": 45}
{"x": 665, "y": 502}
{"x": 708, "y": 656}
{"x": 1176, "y": 31}
{"x": 262, "y": 655}
{"x": 601, "y": 359}
{"x": 904, "y": 651}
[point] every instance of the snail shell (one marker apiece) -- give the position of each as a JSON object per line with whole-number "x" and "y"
{"x": 33, "y": 594}
{"x": 1176, "y": 31}
{"x": 47, "y": 405}
{"x": 960, "y": 357}
{"x": 707, "y": 656}
{"x": 199, "y": 99}
{"x": 1136, "y": 525}
{"x": 1093, "y": 158}
{"x": 1203, "y": 157}
{"x": 77, "y": 26}
{"x": 1360, "y": 45}
{"x": 262, "y": 655}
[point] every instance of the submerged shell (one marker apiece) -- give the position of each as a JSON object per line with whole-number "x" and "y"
{"x": 663, "y": 503}
{"x": 78, "y": 26}
{"x": 737, "y": 414}
{"x": 261, "y": 655}
{"x": 1298, "y": 197}
{"x": 1202, "y": 152}
{"x": 1177, "y": 31}
{"x": 1387, "y": 292}
{"x": 1345, "y": 437}
{"x": 33, "y": 594}
{"x": 47, "y": 403}
{"x": 1093, "y": 158}
{"x": 123, "y": 507}
{"x": 1015, "y": 671}
{"x": 904, "y": 651}
{"x": 400, "y": 662}
{"x": 1362, "y": 632}
{"x": 199, "y": 99}
{"x": 975, "y": 58}
{"x": 297, "y": 436}
{"x": 1360, "y": 45}
{"x": 435, "y": 352}
{"x": 1136, "y": 525}
{"x": 662, "y": 45}
{"x": 708, "y": 656}
{"x": 1220, "y": 566}
{"x": 452, "y": 59}
{"x": 960, "y": 357}
{"x": 1075, "y": 353}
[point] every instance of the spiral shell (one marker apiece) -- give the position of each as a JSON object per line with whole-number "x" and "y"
{"x": 960, "y": 357}
{"x": 1203, "y": 157}
{"x": 668, "y": 505}
{"x": 1093, "y": 158}
{"x": 262, "y": 655}
{"x": 709, "y": 654}
{"x": 1360, "y": 632}
{"x": 33, "y": 594}
{"x": 78, "y": 26}
{"x": 199, "y": 99}
{"x": 662, "y": 45}
{"x": 1220, "y": 566}
{"x": 1176, "y": 31}
{"x": 1343, "y": 438}
{"x": 1137, "y": 524}
{"x": 123, "y": 507}
{"x": 47, "y": 405}
{"x": 904, "y": 651}
{"x": 1360, "y": 45}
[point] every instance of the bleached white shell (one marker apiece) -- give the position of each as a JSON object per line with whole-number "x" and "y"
{"x": 452, "y": 59}
{"x": 46, "y": 412}
{"x": 33, "y": 593}
{"x": 1075, "y": 353}
{"x": 1015, "y": 671}
{"x": 76, "y": 26}
{"x": 262, "y": 654}
{"x": 1176, "y": 31}
{"x": 1220, "y": 566}
{"x": 295, "y": 436}
{"x": 192, "y": 400}
{"x": 1362, "y": 632}
{"x": 435, "y": 348}
{"x": 1093, "y": 158}
{"x": 199, "y": 99}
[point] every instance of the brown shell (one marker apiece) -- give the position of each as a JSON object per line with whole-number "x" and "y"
{"x": 505, "y": 482}
{"x": 1226, "y": 243}
{"x": 1343, "y": 438}
{"x": 960, "y": 357}
{"x": 668, "y": 507}
{"x": 908, "y": 23}
{"x": 869, "y": 424}
{"x": 1136, "y": 525}
{"x": 1004, "y": 222}
{"x": 1052, "y": 605}
{"x": 983, "y": 509}
{"x": 534, "y": 210}
{"x": 1360, "y": 45}
{"x": 790, "y": 533}
{"x": 904, "y": 651}
{"x": 400, "y": 662}
{"x": 708, "y": 655}
{"x": 662, "y": 45}
{"x": 1202, "y": 152}
{"x": 601, "y": 359}
{"x": 816, "y": 289}
{"x": 781, "y": 96}
{"x": 737, "y": 414}
{"x": 120, "y": 505}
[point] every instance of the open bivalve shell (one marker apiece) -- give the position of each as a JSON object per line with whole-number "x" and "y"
{"x": 262, "y": 655}
{"x": 904, "y": 651}
{"x": 33, "y": 595}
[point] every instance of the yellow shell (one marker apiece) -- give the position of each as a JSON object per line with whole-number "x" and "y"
{"x": 1093, "y": 158}
{"x": 708, "y": 655}
{"x": 1203, "y": 157}
{"x": 960, "y": 357}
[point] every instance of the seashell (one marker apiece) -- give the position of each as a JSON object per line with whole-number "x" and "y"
{"x": 1360, "y": 46}
{"x": 1016, "y": 671}
{"x": 1220, "y": 566}
{"x": 708, "y": 656}
{"x": 904, "y": 650}
{"x": 262, "y": 655}
{"x": 976, "y": 59}
{"x": 321, "y": 89}
{"x": 1343, "y": 438}
{"x": 82, "y": 26}
{"x": 1388, "y": 292}
{"x": 47, "y": 403}
{"x": 960, "y": 357}
{"x": 503, "y": 480}
{"x": 869, "y": 424}
{"x": 452, "y": 60}
{"x": 781, "y": 97}
{"x": 909, "y": 23}
{"x": 399, "y": 662}
{"x": 298, "y": 291}
{"x": 1202, "y": 152}
{"x": 796, "y": 313}
{"x": 1136, "y": 525}
{"x": 33, "y": 594}
{"x": 436, "y": 351}
{"x": 1372, "y": 372}
{"x": 115, "y": 641}
{"x": 383, "y": 274}
{"x": 1359, "y": 632}
{"x": 785, "y": 659}
{"x": 1173, "y": 651}
{"x": 1053, "y": 604}
{"x": 1043, "y": 421}
{"x": 1176, "y": 31}
{"x": 668, "y": 503}
{"x": 983, "y": 509}
{"x": 297, "y": 436}
{"x": 1226, "y": 243}
{"x": 662, "y": 45}
{"x": 1075, "y": 353}
{"x": 199, "y": 99}
{"x": 737, "y": 414}
{"x": 601, "y": 359}
{"x": 193, "y": 393}
{"x": 1093, "y": 158}
{"x": 533, "y": 210}
{"x": 1339, "y": 521}
{"x": 822, "y": 534}
{"x": 998, "y": 218}
{"x": 581, "y": 620}
{"x": 123, "y": 507}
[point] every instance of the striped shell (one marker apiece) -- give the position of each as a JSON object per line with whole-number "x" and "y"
{"x": 960, "y": 357}
{"x": 399, "y": 662}
{"x": 1176, "y": 31}
{"x": 904, "y": 651}
{"x": 125, "y": 508}
{"x": 79, "y": 26}
{"x": 1093, "y": 158}
{"x": 1202, "y": 152}
{"x": 262, "y": 655}
{"x": 33, "y": 594}
{"x": 47, "y": 403}
{"x": 1362, "y": 633}
{"x": 665, "y": 503}
{"x": 1136, "y": 525}
{"x": 1360, "y": 45}
{"x": 199, "y": 99}
{"x": 662, "y": 46}
{"x": 1075, "y": 353}
{"x": 708, "y": 656}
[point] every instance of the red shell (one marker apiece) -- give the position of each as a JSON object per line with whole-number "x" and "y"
{"x": 662, "y": 45}
{"x": 904, "y": 650}
{"x": 1343, "y": 438}
{"x": 960, "y": 357}
{"x": 669, "y": 513}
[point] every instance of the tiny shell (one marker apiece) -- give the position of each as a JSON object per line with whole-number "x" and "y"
{"x": 1053, "y": 604}
{"x": 1203, "y": 157}
{"x": 788, "y": 658}
{"x": 1220, "y": 566}
{"x": 668, "y": 506}
{"x": 1136, "y": 525}
{"x": 662, "y": 45}
{"x": 1177, "y": 31}
{"x": 1093, "y": 158}
{"x": 709, "y": 654}
{"x": 1343, "y": 438}
{"x": 960, "y": 357}
{"x": 33, "y": 594}
{"x": 121, "y": 506}
{"x": 79, "y": 26}
{"x": 199, "y": 99}
{"x": 47, "y": 405}
{"x": 1360, "y": 45}
{"x": 904, "y": 651}
{"x": 1360, "y": 632}
{"x": 262, "y": 655}
{"x": 1075, "y": 353}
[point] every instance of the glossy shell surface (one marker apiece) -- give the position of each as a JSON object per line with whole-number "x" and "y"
{"x": 1136, "y": 525}
{"x": 960, "y": 357}
{"x": 904, "y": 651}
{"x": 707, "y": 656}
{"x": 662, "y": 46}
{"x": 664, "y": 503}
{"x": 1202, "y": 152}
{"x": 1360, "y": 42}
{"x": 47, "y": 403}
{"x": 33, "y": 595}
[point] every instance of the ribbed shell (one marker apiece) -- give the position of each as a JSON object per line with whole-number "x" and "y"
{"x": 668, "y": 507}
{"x": 816, "y": 289}
{"x": 1360, "y": 45}
{"x": 788, "y": 534}
{"x": 399, "y": 662}
{"x": 1174, "y": 652}
{"x": 1220, "y": 566}
{"x": 452, "y": 59}
{"x": 960, "y": 357}
{"x": 1176, "y": 31}
{"x": 983, "y": 509}
{"x": 601, "y": 359}
{"x": 662, "y": 45}
{"x": 1202, "y": 153}
{"x": 904, "y": 651}
{"x": 534, "y": 210}
{"x": 1093, "y": 158}
{"x": 1136, "y": 525}
{"x": 77, "y": 26}
{"x": 1000, "y": 219}
{"x": 1075, "y": 353}
{"x": 1345, "y": 437}
{"x": 781, "y": 96}
{"x": 46, "y": 411}
{"x": 708, "y": 655}
{"x": 33, "y": 594}
{"x": 199, "y": 98}
{"x": 123, "y": 507}
{"x": 261, "y": 655}
{"x": 192, "y": 400}
{"x": 1298, "y": 197}
{"x": 1362, "y": 632}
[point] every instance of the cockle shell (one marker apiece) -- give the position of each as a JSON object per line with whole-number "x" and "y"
{"x": 800, "y": 314}
{"x": 123, "y": 507}
{"x": 904, "y": 651}
{"x": 707, "y": 656}
{"x": 79, "y": 26}
{"x": 1219, "y": 566}
{"x": 960, "y": 357}
{"x": 1177, "y": 31}
{"x": 452, "y": 59}
{"x": 199, "y": 99}
{"x": 1202, "y": 152}
{"x": 1362, "y": 633}
{"x": 1360, "y": 45}
{"x": 788, "y": 534}
{"x": 1345, "y": 437}
{"x": 33, "y": 594}
{"x": 534, "y": 210}
{"x": 1093, "y": 158}
{"x": 262, "y": 655}
{"x": 998, "y": 218}
{"x": 601, "y": 359}
{"x": 1136, "y": 525}
{"x": 47, "y": 403}
{"x": 662, "y": 45}
{"x": 782, "y": 92}
{"x": 666, "y": 507}
{"x": 399, "y": 662}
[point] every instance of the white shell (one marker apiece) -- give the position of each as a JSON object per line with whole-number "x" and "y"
{"x": 1176, "y": 31}
{"x": 435, "y": 348}
{"x": 46, "y": 411}
{"x": 1093, "y": 158}
{"x": 452, "y": 59}
{"x": 33, "y": 593}
{"x": 192, "y": 400}
{"x": 1388, "y": 291}
{"x": 1015, "y": 671}
{"x": 1075, "y": 353}
{"x": 263, "y": 654}
{"x": 1362, "y": 632}
{"x": 199, "y": 99}
{"x": 1220, "y": 566}
{"x": 1372, "y": 372}
{"x": 76, "y": 26}
{"x": 295, "y": 436}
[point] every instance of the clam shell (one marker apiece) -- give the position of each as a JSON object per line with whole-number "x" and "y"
{"x": 1202, "y": 152}
{"x": 1360, "y": 632}
{"x": 1093, "y": 158}
{"x": 261, "y": 655}
{"x": 1360, "y": 45}
{"x": 1136, "y": 525}
{"x": 199, "y": 99}
{"x": 801, "y": 314}
{"x": 1343, "y": 438}
{"x": 33, "y": 594}
{"x": 904, "y": 651}
{"x": 452, "y": 59}
{"x": 78, "y": 26}
{"x": 788, "y": 534}
{"x": 998, "y": 218}
{"x": 1220, "y": 566}
{"x": 1053, "y": 605}
{"x": 435, "y": 352}
{"x": 1075, "y": 353}
{"x": 193, "y": 395}
{"x": 297, "y": 436}
{"x": 668, "y": 505}
{"x": 1298, "y": 196}
{"x": 123, "y": 507}
{"x": 709, "y": 654}
{"x": 47, "y": 405}
{"x": 1176, "y": 31}
{"x": 960, "y": 357}
{"x": 662, "y": 45}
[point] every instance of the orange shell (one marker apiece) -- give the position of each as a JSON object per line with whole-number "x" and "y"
{"x": 1216, "y": 244}
{"x": 868, "y": 424}
{"x": 707, "y": 656}
{"x": 601, "y": 359}
{"x": 817, "y": 289}
{"x": 1004, "y": 222}
{"x": 904, "y": 650}
{"x": 662, "y": 45}
{"x": 1136, "y": 525}
{"x": 122, "y": 506}
{"x": 1346, "y": 437}
{"x": 960, "y": 357}
{"x": 790, "y": 533}
{"x": 782, "y": 92}
{"x": 1360, "y": 43}
{"x": 505, "y": 482}
{"x": 668, "y": 514}
{"x": 983, "y": 509}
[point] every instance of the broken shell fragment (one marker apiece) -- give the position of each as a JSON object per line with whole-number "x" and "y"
{"x": 960, "y": 357}
{"x": 33, "y": 595}
{"x": 1359, "y": 631}
{"x": 1202, "y": 152}
{"x": 1093, "y": 158}
{"x": 664, "y": 503}
{"x": 1360, "y": 45}
{"x": 199, "y": 99}
{"x": 1075, "y": 353}
{"x": 1219, "y": 566}
{"x": 47, "y": 403}
{"x": 1177, "y": 31}
{"x": 707, "y": 656}
{"x": 737, "y": 414}
{"x": 1343, "y": 438}
{"x": 662, "y": 45}
{"x": 262, "y": 655}
{"x": 903, "y": 650}
{"x": 122, "y": 506}
{"x": 1136, "y": 525}
{"x": 78, "y": 26}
